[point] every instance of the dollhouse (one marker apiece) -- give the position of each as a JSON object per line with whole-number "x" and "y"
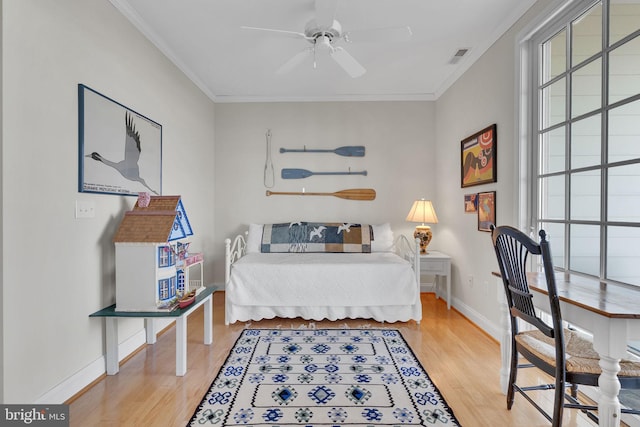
{"x": 153, "y": 262}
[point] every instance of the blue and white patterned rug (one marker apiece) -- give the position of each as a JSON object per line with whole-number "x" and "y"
{"x": 316, "y": 377}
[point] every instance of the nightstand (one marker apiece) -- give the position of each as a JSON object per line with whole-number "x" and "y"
{"x": 438, "y": 264}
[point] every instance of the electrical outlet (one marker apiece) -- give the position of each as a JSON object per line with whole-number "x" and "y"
{"x": 85, "y": 209}
{"x": 470, "y": 280}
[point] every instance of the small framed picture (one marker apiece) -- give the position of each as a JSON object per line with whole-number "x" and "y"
{"x": 478, "y": 157}
{"x": 471, "y": 203}
{"x": 486, "y": 210}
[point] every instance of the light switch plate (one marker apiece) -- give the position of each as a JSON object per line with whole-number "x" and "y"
{"x": 85, "y": 209}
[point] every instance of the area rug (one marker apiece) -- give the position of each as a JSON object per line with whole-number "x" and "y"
{"x": 315, "y": 377}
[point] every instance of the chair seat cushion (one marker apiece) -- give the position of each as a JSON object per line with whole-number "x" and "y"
{"x": 580, "y": 354}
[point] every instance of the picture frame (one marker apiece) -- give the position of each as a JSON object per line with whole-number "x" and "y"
{"x": 479, "y": 156}
{"x": 119, "y": 149}
{"x": 486, "y": 210}
{"x": 471, "y": 203}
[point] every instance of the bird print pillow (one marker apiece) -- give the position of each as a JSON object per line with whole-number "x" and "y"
{"x": 316, "y": 237}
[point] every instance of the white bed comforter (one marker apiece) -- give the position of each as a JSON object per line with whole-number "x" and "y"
{"x": 322, "y": 279}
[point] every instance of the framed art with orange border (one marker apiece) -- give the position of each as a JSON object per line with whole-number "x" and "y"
{"x": 486, "y": 210}
{"x": 478, "y": 159}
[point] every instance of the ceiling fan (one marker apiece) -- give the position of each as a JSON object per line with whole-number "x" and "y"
{"x": 324, "y": 31}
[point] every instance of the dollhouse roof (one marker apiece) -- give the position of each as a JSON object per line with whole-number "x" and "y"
{"x": 163, "y": 220}
{"x": 160, "y": 203}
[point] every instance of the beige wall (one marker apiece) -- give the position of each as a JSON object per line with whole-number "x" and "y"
{"x": 484, "y": 95}
{"x": 399, "y": 160}
{"x": 57, "y": 269}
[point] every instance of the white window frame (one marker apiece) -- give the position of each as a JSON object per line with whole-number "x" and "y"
{"x": 550, "y": 22}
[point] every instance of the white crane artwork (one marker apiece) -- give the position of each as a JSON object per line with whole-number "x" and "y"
{"x": 128, "y": 167}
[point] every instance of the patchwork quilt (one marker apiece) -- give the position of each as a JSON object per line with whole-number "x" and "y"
{"x": 316, "y": 237}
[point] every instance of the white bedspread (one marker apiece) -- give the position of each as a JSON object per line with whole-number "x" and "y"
{"x": 322, "y": 279}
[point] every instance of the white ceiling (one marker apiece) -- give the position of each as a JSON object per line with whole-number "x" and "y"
{"x": 205, "y": 40}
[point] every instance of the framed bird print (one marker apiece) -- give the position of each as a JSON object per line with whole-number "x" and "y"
{"x": 120, "y": 150}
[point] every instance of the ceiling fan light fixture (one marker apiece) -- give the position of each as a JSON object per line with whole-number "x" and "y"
{"x": 324, "y": 34}
{"x": 323, "y": 43}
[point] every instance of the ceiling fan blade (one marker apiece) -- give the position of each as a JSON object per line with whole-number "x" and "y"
{"x": 386, "y": 34}
{"x": 325, "y": 12}
{"x": 295, "y": 34}
{"x": 296, "y": 60}
{"x": 347, "y": 62}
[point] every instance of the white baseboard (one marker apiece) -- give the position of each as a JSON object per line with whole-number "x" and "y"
{"x": 475, "y": 317}
{"x": 76, "y": 382}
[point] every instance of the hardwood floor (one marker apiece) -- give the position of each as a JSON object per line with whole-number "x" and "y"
{"x": 459, "y": 357}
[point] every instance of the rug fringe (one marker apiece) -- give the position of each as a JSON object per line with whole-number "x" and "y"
{"x": 312, "y": 325}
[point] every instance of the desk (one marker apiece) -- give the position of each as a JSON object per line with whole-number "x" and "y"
{"x": 180, "y": 314}
{"x": 611, "y": 313}
{"x": 439, "y": 265}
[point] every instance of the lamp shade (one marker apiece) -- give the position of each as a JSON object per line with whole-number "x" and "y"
{"x": 422, "y": 211}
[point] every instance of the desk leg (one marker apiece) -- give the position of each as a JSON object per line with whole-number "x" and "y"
{"x": 208, "y": 317}
{"x": 610, "y": 341}
{"x": 609, "y": 405}
{"x": 113, "y": 365}
{"x": 181, "y": 346}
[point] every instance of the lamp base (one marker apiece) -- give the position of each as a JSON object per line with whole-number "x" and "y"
{"x": 423, "y": 232}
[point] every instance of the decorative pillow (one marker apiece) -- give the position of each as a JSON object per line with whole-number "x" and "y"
{"x": 254, "y": 238}
{"x": 316, "y": 237}
{"x": 382, "y": 238}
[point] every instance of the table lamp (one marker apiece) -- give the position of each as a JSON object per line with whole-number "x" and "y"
{"x": 422, "y": 211}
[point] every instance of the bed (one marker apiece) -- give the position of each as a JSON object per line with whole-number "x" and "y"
{"x": 377, "y": 277}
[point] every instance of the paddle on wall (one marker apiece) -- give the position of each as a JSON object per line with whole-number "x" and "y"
{"x": 348, "y": 151}
{"x": 351, "y": 194}
{"x": 303, "y": 173}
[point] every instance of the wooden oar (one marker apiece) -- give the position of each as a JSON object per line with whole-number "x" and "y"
{"x": 349, "y": 151}
{"x": 351, "y": 194}
{"x": 303, "y": 173}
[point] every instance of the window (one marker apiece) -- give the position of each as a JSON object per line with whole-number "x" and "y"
{"x": 166, "y": 256}
{"x": 584, "y": 138}
{"x": 167, "y": 288}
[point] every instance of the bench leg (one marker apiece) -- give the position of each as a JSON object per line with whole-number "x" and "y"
{"x": 113, "y": 365}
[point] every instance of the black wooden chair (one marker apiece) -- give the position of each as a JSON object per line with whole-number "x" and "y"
{"x": 568, "y": 357}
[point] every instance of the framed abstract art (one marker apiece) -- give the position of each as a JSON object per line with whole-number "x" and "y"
{"x": 486, "y": 210}
{"x": 479, "y": 157}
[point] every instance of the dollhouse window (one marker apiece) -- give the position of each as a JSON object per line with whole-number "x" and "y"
{"x": 172, "y": 287}
{"x": 163, "y": 289}
{"x": 166, "y": 256}
{"x": 167, "y": 288}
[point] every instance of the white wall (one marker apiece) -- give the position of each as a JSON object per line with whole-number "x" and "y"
{"x": 484, "y": 95}
{"x": 399, "y": 159}
{"x": 56, "y": 269}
